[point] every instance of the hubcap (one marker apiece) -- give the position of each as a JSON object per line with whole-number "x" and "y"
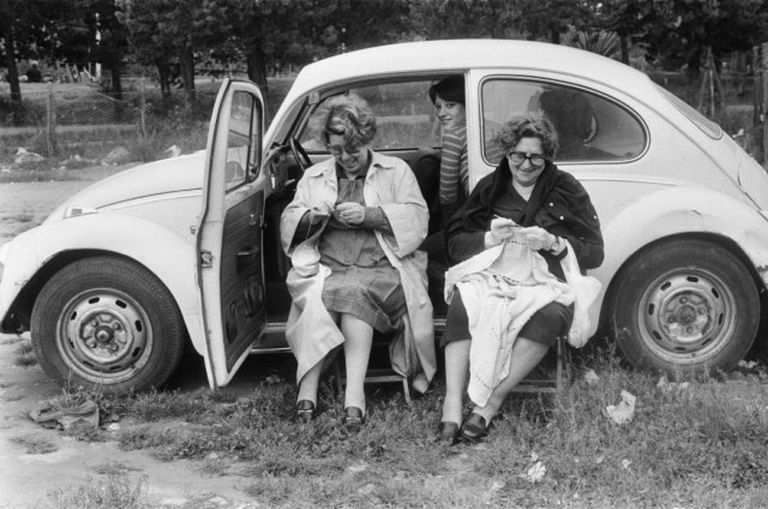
{"x": 686, "y": 315}
{"x": 104, "y": 335}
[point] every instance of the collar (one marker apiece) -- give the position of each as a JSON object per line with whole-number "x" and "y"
{"x": 328, "y": 167}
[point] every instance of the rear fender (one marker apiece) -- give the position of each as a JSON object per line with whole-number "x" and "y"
{"x": 684, "y": 211}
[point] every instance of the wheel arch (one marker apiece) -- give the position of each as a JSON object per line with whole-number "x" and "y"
{"x": 43, "y": 251}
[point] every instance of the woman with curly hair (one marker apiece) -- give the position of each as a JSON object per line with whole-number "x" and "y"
{"x": 509, "y": 295}
{"x": 352, "y": 232}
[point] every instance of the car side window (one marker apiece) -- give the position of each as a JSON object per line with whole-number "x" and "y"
{"x": 242, "y": 163}
{"x": 589, "y": 126}
{"x": 405, "y": 118}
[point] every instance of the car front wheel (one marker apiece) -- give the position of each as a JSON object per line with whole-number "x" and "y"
{"x": 685, "y": 306}
{"x": 109, "y": 323}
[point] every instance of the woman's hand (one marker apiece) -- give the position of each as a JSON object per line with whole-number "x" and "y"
{"x": 349, "y": 212}
{"x": 502, "y": 229}
{"x": 537, "y": 238}
{"x": 318, "y": 213}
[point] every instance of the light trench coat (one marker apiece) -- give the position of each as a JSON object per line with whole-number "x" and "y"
{"x": 310, "y": 330}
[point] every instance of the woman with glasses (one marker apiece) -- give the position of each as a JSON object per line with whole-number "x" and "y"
{"x": 352, "y": 232}
{"x": 508, "y": 298}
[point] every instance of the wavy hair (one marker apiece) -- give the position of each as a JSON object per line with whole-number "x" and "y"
{"x": 349, "y": 116}
{"x": 529, "y": 125}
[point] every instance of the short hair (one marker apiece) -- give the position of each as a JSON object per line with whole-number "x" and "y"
{"x": 449, "y": 89}
{"x": 349, "y": 116}
{"x": 529, "y": 125}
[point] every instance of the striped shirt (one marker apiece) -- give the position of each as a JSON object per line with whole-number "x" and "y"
{"x": 454, "y": 177}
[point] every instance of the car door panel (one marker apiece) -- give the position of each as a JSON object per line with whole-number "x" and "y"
{"x": 229, "y": 235}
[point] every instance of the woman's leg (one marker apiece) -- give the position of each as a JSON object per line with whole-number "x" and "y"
{"x": 456, "y": 372}
{"x": 308, "y": 385}
{"x": 526, "y": 355}
{"x": 358, "y": 337}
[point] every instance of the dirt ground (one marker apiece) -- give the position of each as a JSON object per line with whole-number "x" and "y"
{"x": 28, "y": 479}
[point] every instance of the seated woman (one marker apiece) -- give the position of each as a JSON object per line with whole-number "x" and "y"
{"x": 508, "y": 299}
{"x": 452, "y": 180}
{"x": 352, "y": 231}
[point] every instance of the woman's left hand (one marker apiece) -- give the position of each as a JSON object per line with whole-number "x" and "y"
{"x": 349, "y": 212}
{"x": 537, "y": 238}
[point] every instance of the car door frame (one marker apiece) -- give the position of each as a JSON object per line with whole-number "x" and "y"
{"x": 224, "y": 355}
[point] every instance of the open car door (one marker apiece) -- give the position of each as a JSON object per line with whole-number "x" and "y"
{"x": 229, "y": 233}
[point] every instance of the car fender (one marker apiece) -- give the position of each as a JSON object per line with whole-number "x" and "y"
{"x": 677, "y": 211}
{"x": 166, "y": 254}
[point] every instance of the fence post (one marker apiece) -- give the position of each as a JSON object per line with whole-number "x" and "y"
{"x": 50, "y": 123}
{"x": 764, "y": 106}
{"x": 142, "y": 110}
{"x": 756, "y": 144}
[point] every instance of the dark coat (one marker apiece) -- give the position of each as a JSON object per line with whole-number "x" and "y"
{"x": 559, "y": 204}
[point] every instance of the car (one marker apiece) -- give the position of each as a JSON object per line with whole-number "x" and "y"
{"x": 125, "y": 275}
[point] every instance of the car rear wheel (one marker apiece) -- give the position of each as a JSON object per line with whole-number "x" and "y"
{"x": 109, "y": 323}
{"x": 685, "y": 306}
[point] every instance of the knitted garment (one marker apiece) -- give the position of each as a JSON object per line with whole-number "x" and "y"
{"x": 501, "y": 288}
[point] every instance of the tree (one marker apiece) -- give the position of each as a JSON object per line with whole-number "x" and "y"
{"x": 28, "y": 29}
{"x": 164, "y": 31}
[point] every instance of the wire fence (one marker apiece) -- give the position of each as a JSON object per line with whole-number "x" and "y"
{"x": 75, "y": 121}
{"x": 66, "y": 121}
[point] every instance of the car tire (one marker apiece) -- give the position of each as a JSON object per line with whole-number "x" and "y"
{"x": 685, "y": 306}
{"x": 107, "y": 323}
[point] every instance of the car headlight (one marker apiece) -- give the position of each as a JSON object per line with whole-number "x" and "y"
{"x": 78, "y": 211}
{"x": 3, "y": 255}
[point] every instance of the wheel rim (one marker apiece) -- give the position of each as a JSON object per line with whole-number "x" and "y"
{"x": 104, "y": 336}
{"x": 687, "y": 315}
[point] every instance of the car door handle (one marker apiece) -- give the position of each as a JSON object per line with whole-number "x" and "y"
{"x": 254, "y": 219}
{"x": 248, "y": 253}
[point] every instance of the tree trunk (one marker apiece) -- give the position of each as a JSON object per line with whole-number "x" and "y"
{"x": 117, "y": 86}
{"x": 164, "y": 75}
{"x": 257, "y": 72}
{"x": 624, "y": 44}
{"x": 10, "y": 60}
{"x": 187, "y": 61}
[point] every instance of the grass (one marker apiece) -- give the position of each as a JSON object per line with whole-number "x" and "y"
{"x": 114, "y": 491}
{"x": 700, "y": 445}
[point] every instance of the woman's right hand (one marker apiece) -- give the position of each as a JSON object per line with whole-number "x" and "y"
{"x": 318, "y": 213}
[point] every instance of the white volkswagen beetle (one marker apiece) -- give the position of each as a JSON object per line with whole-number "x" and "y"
{"x": 119, "y": 279}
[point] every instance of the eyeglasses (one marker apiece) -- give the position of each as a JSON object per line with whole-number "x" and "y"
{"x": 337, "y": 150}
{"x": 518, "y": 158}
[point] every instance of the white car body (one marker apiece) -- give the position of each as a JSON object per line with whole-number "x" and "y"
{"x": 683, "y": 183}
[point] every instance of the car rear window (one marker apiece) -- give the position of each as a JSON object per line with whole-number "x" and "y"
{"x": 709, "y": 127}
{"x": 590, "y": 126}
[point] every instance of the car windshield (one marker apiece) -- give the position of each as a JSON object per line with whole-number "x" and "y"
{"x": 709, "y": 127}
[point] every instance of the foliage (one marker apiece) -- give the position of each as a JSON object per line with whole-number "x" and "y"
{"x": 601, "y": 42}
{"x": 113, "y": 491}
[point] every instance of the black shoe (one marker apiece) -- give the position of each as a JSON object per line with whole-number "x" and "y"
{"x": 474, "y": 428}
{"x": 447, "y": 433}
{"x": 353, "y": 419}
{"x": 305, "y": 410}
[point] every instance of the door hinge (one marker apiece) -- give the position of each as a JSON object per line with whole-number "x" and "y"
{"x": 206, "y": 259}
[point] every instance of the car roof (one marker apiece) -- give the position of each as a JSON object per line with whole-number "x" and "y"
{"x": 451, "y": 55}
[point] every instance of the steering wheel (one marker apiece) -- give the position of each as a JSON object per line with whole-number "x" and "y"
{"x": 301, "y": 156}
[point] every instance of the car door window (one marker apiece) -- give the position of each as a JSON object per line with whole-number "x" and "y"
{"x": 405, "y": 117}
{"x": 589, "y": 126}
{"x": 242, "y": 163}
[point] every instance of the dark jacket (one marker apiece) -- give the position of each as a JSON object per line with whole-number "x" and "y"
{"x": 559, "y": 204}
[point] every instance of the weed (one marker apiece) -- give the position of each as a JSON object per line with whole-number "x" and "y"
{"x": 35, "y": 444}
{"x": 25, "y": 354}
{"x": 116, "y": 491}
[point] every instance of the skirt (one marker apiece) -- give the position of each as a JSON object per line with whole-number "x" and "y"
{"x": 545, "y": 326}
{"x": 372, "y": 294}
